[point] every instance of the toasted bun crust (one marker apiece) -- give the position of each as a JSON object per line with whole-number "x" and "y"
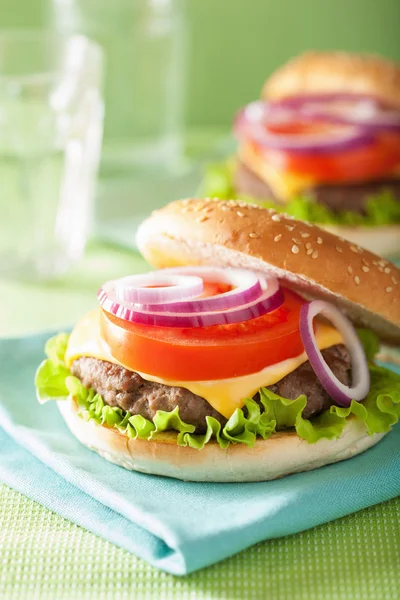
{"x": 282, "y": 454}
{"x": 336, "y": 72}
{"x": 313, "y": 261}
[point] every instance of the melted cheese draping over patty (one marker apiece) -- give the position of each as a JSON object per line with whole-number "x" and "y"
{"x": 223, "y": 395}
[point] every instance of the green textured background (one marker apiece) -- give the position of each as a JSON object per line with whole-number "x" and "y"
{"x": 46, "y": 557}
{"x": 235, "y": 44}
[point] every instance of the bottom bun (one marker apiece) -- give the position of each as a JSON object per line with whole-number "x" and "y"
{"x": 383, "y": 240}
{"x": 282, "y": 454}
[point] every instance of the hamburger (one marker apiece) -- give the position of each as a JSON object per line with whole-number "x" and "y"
{"x": 323, "y": 144}
{"x": 238, "y": 358}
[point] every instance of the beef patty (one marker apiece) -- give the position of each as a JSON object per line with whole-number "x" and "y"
{"x": 338, "y": 198}
{"x": 129, "y": 391}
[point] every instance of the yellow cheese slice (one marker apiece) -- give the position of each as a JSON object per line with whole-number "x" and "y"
{"x": 224, "y": 395}
{"x": 284, "y": 185}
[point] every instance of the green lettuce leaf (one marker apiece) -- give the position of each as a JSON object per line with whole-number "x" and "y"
{"x": 381, "y": 209}
{"x": 369, "y": 341}
{"x": 218, "y": 181}
{"x": 288, "y": 413}
{"x": 56, "y": 347}
{"x": 383, "y": 401}
{"x": 50, "y": 378}
{"x": 379, "y": 411}
{"x": 240, "y": 428}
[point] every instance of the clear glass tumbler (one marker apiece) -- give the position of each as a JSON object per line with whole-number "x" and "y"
{"x": 51, "y": 116}
{"x": 144, "y": 43}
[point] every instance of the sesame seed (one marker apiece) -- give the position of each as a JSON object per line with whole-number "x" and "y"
{"x": 276, "y": 218}
{"x": 240, "y": 214}
{"x": 305, "y": 235}
{"x": 365, "y": 269}
{"x": 383, "y": 263}
{"x": 314, "y": 254}
{"x": 394, "y": 280}
{"x": 308, "y": 245}
{"x": 254, "y": 235}
{"x": 296, "y": 241}
{"x": 289, "y": 227}
{"x": 380, "y": 269}
{"x": 365, "y": 262}
{"x": 353, "y": 249}
{"x": 198, "y": 208}
{"x": 277, "y": 237}
{"x": 389, "y": 289}
{"x": 202, "y": 219}
{"x": 225, "y": 207}
{"x": 309, "y": 251}
{"x": 319, "y": 240}
{"x": 387, "y": 270}
{"x": 357, "y": 280}
{"x": 339, "y": 249}
{"x": 295, "y": 249}
{"x": 350, "y": 270}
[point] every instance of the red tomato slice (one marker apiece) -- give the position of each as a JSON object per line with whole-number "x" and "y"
{"x": 214, "y": 289}
{"x": 217, "y": 352}
{"x": 303, "y": 127}
{"x": 372, "y": 161}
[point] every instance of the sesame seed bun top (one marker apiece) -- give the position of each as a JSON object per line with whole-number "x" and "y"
{"x": 336, "y": 72}
{"x": 314, "y": 262}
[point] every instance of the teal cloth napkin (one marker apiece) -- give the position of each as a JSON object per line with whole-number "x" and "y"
{"x": 176, "y": 526}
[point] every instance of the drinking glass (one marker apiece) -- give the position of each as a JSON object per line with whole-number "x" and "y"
{"x": 144, "y": 43}
{"x": 51, "y": 115}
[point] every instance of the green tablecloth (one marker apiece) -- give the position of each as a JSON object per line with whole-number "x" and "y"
{"x": 44, "y": 556}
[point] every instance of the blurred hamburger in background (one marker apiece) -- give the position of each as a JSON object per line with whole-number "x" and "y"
{"x": 323, "y": 145}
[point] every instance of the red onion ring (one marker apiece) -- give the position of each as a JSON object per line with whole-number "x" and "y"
{"x": 253, "y": 121}
{"x": 269, "y": 298}
{"x": 342, "y": 394}
{"x": 148, "y": 288}
{"x": 297, "y": 101}
{"x": 363, "y": 111}
{"x": 374, "y": 120}
{"x": 246, "y": 287}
